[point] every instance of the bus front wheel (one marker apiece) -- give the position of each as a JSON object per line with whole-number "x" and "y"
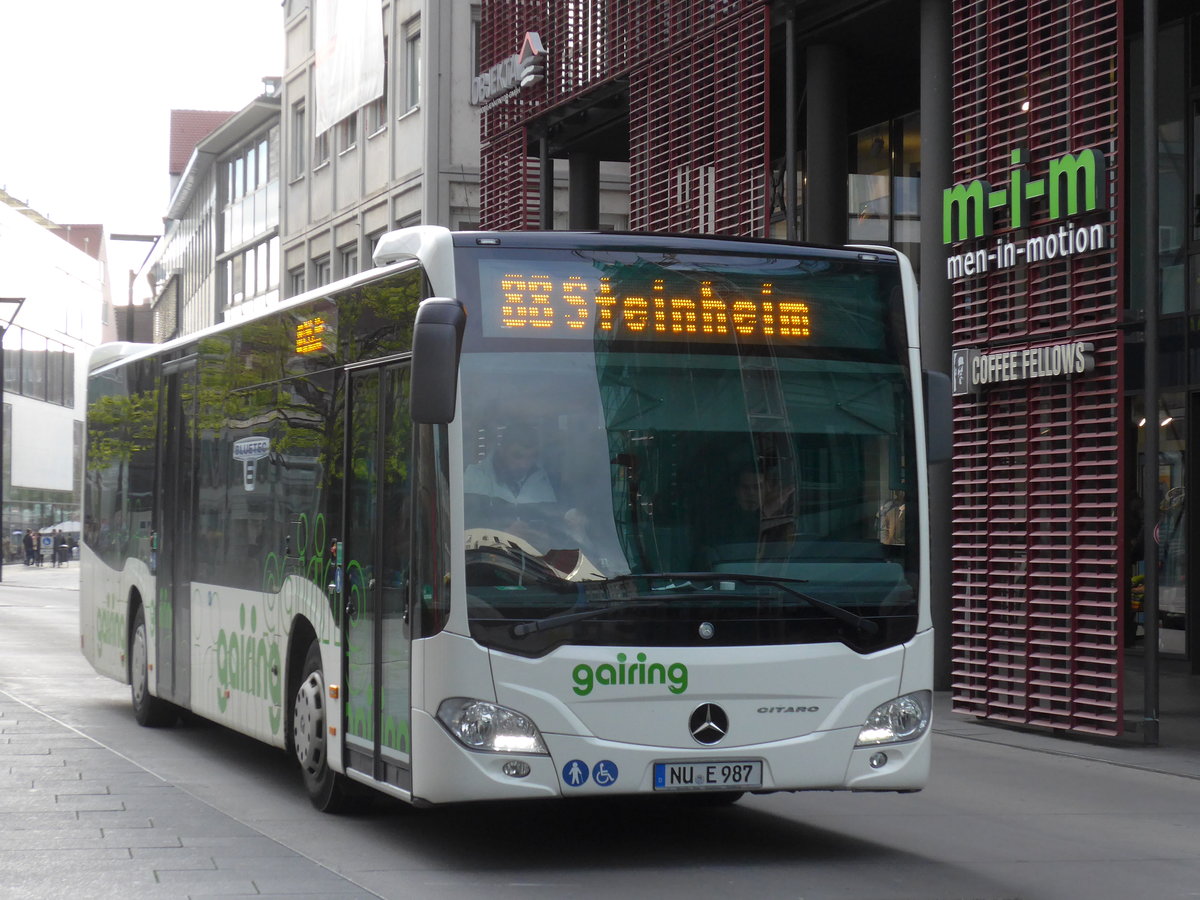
{"x": 147, "y": 709}
{"x": 326, "y": 788}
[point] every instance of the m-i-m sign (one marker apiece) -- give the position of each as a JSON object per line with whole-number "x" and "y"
{"x": 1075, "y": 184}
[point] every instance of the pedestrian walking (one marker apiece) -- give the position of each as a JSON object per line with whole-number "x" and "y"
{"x": 27, "y": 543}
{"x": 64, "y": 549}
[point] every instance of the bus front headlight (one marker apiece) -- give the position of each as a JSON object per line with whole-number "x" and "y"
{"x": 480, "y": 725}
{"x": 903, "y": 719}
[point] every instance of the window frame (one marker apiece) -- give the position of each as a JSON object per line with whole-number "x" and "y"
{"x": 299, "y": 123}
{"x": 412, "y": 64}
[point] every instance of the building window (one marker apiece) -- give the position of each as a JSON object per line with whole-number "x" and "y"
{"x": 320, "y": 149}
{"x": 39, "y": 368}
{"x": 476, "y": 38}
{"x": 33, "y": 365}
{"x": 349, "y": 260}
{"x": 299, "y": 139}
{"x": 296, "y": 281}
{"x": 884, "y": 185}
{"x": 373, "y": 242}
{"x": 12, "y": 360}
{"x": 321, "y": 271}
{"x": 251, "y": 205}
{"x": 348, "y": 133}
{"x": 377, "y": 110}
{"x": 412, "y": 64}
{"x": 237, "y": 280}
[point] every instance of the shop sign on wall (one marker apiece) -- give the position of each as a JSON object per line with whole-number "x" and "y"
{"x": 511, "y": 75}
{"x": 973, "y": 370}
{"x": 1076, "y": 184}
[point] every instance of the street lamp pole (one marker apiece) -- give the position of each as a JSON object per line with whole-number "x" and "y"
{"x": 5, "y": 321}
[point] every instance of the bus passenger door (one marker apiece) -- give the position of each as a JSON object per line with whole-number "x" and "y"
{"x": 176, "y": 508}
{"x": 377, "y": 562}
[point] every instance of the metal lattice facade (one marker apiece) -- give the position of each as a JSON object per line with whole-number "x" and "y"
{"x": 1037, "y": 555}
{"x": 696, "y": 72}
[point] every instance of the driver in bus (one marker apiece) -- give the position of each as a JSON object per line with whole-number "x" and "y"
{"x": 509, "y": 490}
{"x": 513, "y": 472}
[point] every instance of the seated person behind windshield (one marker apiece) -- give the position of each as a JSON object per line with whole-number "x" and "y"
{"x": 756, "y": 508}
{"x": 511, "y": 492}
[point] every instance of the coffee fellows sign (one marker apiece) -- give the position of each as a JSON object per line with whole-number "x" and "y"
{"x": 974, "y": 370}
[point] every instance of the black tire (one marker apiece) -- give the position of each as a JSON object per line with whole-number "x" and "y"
{"x": 149, "y": 710}
{"x": 328, "y": 791}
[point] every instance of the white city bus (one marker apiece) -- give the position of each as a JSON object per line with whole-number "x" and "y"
{"x": 533, "y": 515}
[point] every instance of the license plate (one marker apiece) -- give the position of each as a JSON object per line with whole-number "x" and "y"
{"x": 724, "y": 774}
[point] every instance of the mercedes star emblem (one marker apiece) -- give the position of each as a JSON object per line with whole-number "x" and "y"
{"x": 708, "y": 724}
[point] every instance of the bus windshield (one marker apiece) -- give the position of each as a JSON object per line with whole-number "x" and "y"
{"x": 687, "y": 488}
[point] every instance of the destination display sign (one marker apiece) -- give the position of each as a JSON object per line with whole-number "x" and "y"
{"x": 642, "y": 300}
{"x": 310, "y": 335}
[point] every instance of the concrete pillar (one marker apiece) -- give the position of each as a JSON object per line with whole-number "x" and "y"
{"x": 583, "y": 198}
{"x": 828, "y": 161}
{"x": 546, "y": 185}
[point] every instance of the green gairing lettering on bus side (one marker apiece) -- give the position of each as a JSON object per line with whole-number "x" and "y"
{"x": 164, "y": 616}
{"x": 110, "y": 626}
{"x": 586, "y": 678}
{"x": 250, "y": 664}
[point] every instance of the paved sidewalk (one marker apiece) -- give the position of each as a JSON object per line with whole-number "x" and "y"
{"x": 77, "y": 819}
{"x": 64, "y": 577}
{"x": 1177, "y": 753}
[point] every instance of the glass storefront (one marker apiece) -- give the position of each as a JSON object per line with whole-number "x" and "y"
{"x": 1169, "y": 528}
{"x": 1178, "y": 349}
{"x": 884, "y": 188}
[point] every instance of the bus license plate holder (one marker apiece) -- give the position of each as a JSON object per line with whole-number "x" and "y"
{"x": 719, "y": 775}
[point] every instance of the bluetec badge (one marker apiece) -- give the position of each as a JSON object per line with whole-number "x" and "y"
{"x": 575, "y": 773}
{"x": 605, "y": 773}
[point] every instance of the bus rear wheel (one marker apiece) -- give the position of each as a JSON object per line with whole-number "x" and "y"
{"x": 147, "y": 709}
{"x": 326, "y": 788}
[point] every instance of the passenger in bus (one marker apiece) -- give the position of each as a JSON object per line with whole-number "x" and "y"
{"x": 755, "y": 509}
{"x": 742, "y": 520}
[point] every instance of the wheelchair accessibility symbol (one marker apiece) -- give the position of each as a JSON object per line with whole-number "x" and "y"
{"x": 604, "y": 773}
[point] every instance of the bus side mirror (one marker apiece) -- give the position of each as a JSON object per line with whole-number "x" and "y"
{"x": 939, "y": 417}
{"x": 437, "y": 344}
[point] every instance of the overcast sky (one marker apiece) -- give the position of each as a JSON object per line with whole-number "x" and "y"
{"x": 87, "y": 86}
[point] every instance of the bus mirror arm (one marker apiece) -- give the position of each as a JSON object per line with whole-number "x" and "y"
{"x": 939, "y": 417}
{"x": 437, "y": 345}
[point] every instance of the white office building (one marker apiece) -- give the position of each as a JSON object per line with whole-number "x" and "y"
{"x": 60, "y": 275}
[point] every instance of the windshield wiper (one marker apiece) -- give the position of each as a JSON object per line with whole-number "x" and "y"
{"x": 862, "y": 623}
{"x": 569, "y": 618}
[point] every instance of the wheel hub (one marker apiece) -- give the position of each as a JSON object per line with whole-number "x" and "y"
{"x": 308, "y": 728}
{"x": 138, "y": 665}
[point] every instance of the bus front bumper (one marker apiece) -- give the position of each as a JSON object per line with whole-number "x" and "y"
{"x": 581, "y": 766}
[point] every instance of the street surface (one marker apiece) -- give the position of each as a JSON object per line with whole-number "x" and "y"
{"x": 93, "y": 805}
